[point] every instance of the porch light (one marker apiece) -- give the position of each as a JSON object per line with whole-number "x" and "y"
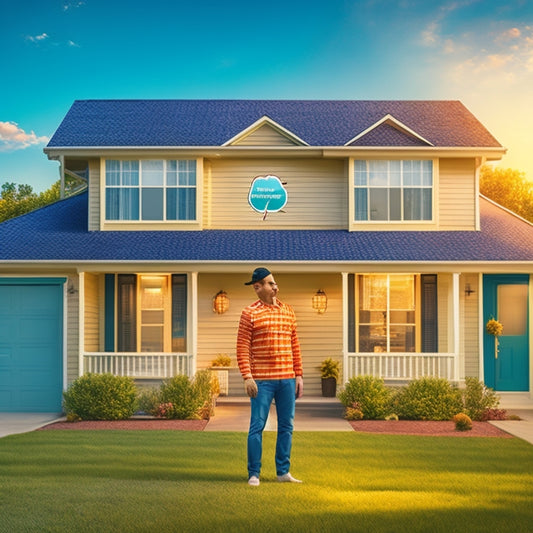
{"x": 320, "y": 302}
{"x": 220, "y": 302}
{"x": 469, "y": 290}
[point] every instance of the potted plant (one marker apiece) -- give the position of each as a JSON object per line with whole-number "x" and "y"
{"x": 329, "y": 370}
{"x": 220, "y": 367}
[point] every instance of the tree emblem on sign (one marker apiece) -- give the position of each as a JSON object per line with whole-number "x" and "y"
{"x": 267, "y": 195}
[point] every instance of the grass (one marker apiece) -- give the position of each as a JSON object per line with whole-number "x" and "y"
{"x": 125, "y": 481}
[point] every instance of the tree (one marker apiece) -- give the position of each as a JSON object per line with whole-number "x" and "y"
{"x": 15, "y": 200}
{"x": 509, "y": 188}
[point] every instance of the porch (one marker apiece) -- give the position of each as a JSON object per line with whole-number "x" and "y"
{"x": 399, "y": 367}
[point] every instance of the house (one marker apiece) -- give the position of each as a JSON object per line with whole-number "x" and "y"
{"x": 367, "y": 212}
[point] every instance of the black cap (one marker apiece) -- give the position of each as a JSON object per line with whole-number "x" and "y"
{"x": 259, "y": 274}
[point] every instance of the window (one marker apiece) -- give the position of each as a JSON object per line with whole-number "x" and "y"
{"x": 150, "y": 190}
{"x": 393, "y": 191}
{"x": 150, "y": 313}
{"x": 392, "y": 313}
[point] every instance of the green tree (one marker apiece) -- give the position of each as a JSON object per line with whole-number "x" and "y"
{"x": 509, "y": 188}
{"x": 15, "y": 200}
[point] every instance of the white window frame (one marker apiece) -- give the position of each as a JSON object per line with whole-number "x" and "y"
{"x": 113, "y": 223}
{"x": 392, "y": 224}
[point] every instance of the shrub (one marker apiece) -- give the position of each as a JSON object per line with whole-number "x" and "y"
{"x": 494, "y": 414}
{"x": 329, "y": 368}
{"x": 100, "y": 397}
{"x": 462, "y": 422}
{"x": 148, "y": 400}
{"x": 164, "y": 410}
{"x": 221, "y": 359}
{"x": 478, "y": 399}
{"x": 428, "y": 399}
{"x": 353, "y": 412}
{"x": 370, "y": 394}
{"x": 189, "y": 398}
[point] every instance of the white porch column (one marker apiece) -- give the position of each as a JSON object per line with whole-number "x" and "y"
{"x": 81, "y": 321}
{"x": 194, "y": 321}
{"x": 456, "y": 321}
{"x": 345, "y": 327}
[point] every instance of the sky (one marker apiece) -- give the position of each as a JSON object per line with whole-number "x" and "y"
{"x": 53, "y": 52}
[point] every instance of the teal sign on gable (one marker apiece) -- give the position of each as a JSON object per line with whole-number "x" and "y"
{"x": 267, "y": 194}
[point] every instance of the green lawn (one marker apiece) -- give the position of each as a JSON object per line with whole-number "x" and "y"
{"x": 105, "y": 481}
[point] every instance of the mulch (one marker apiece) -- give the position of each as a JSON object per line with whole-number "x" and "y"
{"x": 388, "y": 427}
{"x": 427, "y": 428}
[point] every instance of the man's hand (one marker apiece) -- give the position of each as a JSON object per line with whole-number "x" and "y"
{"x": 250, "y": 386}
{"x": 299, "y": 386}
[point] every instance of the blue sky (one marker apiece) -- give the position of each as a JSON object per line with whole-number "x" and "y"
{"x": 57, "y": 51}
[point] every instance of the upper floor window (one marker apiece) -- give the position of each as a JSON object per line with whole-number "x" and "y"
{"x": 150, "y": 190}
{"x": 393, "y": 191}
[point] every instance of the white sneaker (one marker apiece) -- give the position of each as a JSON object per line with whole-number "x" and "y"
{"x": 253, "y": 481}
{"x": 287, "y": 478}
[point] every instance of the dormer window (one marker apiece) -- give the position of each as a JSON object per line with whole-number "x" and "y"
{"x": 150, "y": 190}
{"x": 393, "y": 191}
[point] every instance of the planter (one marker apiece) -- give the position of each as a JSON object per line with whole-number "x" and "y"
{"x": 329, "y": 387}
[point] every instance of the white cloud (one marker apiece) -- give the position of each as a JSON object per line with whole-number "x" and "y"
{"x": 38, "y": 38}
{"x": 72, "y": 5}
{"x": 14, "y": 138}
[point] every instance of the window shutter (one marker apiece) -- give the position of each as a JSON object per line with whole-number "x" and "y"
{"x": 179, "y": 312}
{"x": 430, "y": 339}
{"x": 127, "y": 313}
{"x": 109, "y": 313}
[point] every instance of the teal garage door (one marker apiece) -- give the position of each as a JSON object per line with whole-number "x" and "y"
{"x": 31, "y": 344}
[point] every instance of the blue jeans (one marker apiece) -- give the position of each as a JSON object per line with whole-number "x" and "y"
{"x": 283, "y": 392}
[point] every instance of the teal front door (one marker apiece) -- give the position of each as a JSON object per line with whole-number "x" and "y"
{"x": 31, "y": 344}
{"x": 506, "y": 359}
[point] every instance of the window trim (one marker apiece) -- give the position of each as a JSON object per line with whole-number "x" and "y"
{"x": 392, "y": 225}
{"x": 354, "y": 331}
{"x": 129, "y": 225}
{"x": 113, "y": 328}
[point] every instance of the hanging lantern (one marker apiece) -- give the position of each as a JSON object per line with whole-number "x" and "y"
{"x": 220, "y": 302}
{"x": 320, "y": 302}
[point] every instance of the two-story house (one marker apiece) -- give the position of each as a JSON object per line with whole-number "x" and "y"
{"x": 367, "y": 212}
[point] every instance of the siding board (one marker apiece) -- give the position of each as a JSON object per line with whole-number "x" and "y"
{"x": 317, "y": 194}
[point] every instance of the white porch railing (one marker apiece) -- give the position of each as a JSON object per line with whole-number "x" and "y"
{"x": 402, "y": 366}
{"x": 138, "y": 365}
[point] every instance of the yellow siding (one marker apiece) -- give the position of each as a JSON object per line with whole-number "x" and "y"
{"x": 265, "y": 135}
{"x": 317, "y": 194}
{"x": 320, "y": 335}
{"x": 470, "y": 326}
{"x": 94, "y": 194}
{"x": 457, "y": 194}
{"x": 72, "y": 333}
{"x": 91, "y": 307}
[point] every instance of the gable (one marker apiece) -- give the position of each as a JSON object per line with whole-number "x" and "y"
{"x": 388, "y": 132}
{"x": 265, "y": 132}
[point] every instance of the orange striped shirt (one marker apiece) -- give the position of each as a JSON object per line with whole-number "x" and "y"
{"x": 267, "y": 342}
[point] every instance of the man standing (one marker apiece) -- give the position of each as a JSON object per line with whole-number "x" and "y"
{"x": 270, "y": 361}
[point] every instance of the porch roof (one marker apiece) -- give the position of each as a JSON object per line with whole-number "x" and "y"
{"x": 59, "y": 232}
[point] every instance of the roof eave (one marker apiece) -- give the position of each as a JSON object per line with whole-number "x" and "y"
{"x": 491, "y": 153}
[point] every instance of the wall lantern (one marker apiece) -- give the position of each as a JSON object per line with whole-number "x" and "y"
{"x": 220, "y": 302}
{"x": 320, "y": 302}
{"x": 469, "y": 290}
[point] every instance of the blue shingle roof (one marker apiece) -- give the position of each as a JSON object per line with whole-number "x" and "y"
{"x": 59, "y": 233}
{"x": 123, "y": 123}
